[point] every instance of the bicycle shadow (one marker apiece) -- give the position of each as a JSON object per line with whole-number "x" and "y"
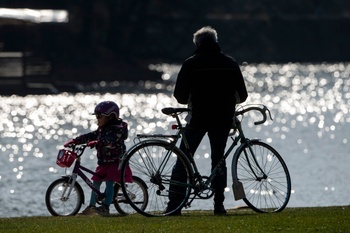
{"x": 232, "y": 212}
{"x": 111, "y": 215}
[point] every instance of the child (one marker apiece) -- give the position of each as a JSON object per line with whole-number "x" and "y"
{"x": 108, "y": 140}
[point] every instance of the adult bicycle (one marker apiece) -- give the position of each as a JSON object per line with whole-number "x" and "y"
{"x": 259, "y": 175}
{"x": 65, "y": 196}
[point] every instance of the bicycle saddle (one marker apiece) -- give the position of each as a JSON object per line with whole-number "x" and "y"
{"x": 172, "y": 111}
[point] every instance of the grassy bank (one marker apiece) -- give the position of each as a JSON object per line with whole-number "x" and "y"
{"x": 320, "y": 219}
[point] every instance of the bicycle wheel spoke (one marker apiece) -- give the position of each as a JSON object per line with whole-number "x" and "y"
{"x": 142, "y": 162}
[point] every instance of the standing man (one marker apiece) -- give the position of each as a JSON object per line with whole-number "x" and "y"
{"x": 211, "y": 84}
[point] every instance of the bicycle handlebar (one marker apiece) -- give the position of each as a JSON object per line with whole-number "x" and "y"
{"x": 174, "y": 112}
{"x": 262, "y": 110}
{"x": 79, "y": 149}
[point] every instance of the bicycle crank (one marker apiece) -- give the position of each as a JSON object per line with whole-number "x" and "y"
{"x": 202, "y": 188}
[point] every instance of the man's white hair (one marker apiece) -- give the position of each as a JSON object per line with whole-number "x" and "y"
{"x": 206, "y": 32}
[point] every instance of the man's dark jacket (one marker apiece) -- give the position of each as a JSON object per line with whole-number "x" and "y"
{"x": 211, "y": 83}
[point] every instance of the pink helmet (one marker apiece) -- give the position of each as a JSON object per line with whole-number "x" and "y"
{"x": 107, "y": 108}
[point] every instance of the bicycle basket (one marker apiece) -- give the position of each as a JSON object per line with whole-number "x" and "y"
{"x": 65, "y": 158}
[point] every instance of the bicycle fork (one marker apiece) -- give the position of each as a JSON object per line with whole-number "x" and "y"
{"x": 68, "y": 189}
{"x": 256, "y": 164}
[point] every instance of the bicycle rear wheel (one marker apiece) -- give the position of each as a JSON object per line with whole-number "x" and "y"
{"x": 137, "y": 190}
{"x": 59, "y": 203}
{"x": 264, "y": 175}
{"x": 153, "y": 162}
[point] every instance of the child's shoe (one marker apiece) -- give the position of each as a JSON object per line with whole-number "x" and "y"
{"x": 89, "y": 210}
{"x": 102, "y": 210}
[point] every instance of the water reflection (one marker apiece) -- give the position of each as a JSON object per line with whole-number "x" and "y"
{"x": 310, "y": 106}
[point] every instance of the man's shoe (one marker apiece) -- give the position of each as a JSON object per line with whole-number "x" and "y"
{"x": 219, "y": 210}
{"x": 175, "y": 213}
{"x": 102, "y": 210}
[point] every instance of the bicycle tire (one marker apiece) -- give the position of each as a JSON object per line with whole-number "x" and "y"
{"x": 137, "y": 190}
{"x": 263, "y": 194}
{"x": 57, "y": 205}
{"x": 153, "y": 162}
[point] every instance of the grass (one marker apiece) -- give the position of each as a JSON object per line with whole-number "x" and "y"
{"x": 318, "y": 219}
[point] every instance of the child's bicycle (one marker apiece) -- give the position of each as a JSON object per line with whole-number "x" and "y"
{"x": 65, "y": 196}
{"x": 260, "y": 176}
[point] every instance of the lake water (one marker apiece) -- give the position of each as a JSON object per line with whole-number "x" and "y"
{"x": 310, "y": 128}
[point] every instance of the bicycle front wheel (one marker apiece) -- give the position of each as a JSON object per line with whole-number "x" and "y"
{"x": 153, "y": 162}
{"x": 137, "y": 190}
{"x": 61, "y": 203}
{"x": 264, "y": 176}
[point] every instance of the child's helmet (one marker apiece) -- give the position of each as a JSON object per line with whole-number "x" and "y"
{"x": 107, "y": 108}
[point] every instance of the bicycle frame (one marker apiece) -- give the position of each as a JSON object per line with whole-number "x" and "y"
{"x": 78, "y": 172}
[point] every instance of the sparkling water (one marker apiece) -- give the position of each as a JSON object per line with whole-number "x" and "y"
{"x": 310, "y": 129}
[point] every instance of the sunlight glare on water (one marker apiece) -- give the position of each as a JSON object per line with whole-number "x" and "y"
{"x": 309, "y": 105}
